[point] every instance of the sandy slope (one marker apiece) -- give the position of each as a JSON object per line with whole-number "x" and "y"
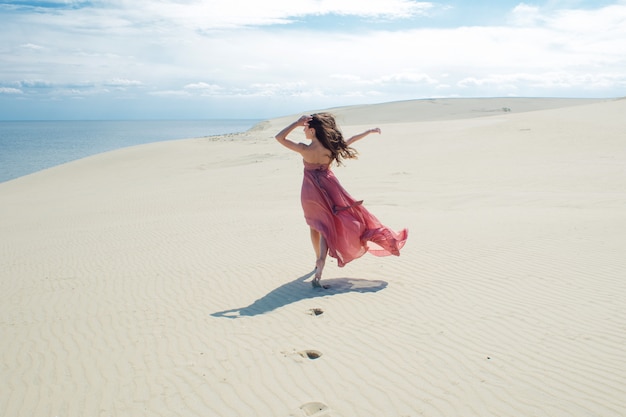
{"x": 169, "y": 279}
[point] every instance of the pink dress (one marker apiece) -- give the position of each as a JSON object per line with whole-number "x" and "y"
{"x": 349, "y": 229}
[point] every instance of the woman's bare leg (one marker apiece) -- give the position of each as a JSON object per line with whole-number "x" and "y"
{"x": 321, "y": 261}
{"x": 315, "y": 240}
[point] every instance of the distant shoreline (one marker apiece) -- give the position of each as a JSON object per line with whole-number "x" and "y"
{"x": 30, "y": 146}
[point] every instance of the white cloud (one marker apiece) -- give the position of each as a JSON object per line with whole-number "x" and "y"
{"x": 204, "y": 89}
{"x": 170, "y": 93}
{"x": 9, "y": 90}
{"x": 202, "y": 86}
{"x": 291, "y": 88}
{"x": 219, "y": 14}
{"x": 32, "y": 46}
{"x": 346, "y": 77}
{"x": 545, "y": 80}
{"x": 120, "y": 82}
{"x": 526, "y": 15}
{"x": 590, "y": 21}
{"x": 408, "y": 78}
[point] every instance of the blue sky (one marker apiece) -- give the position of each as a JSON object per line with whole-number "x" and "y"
{"x": 199, "y": 59}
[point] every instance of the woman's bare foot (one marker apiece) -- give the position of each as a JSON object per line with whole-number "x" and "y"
{"x": 319, "y": 267}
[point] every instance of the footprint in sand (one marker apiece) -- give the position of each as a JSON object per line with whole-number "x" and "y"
{"x": 312, "y": 409}
{"x": 311, "y": 354}
{"x": 306, "y": 354}
{"x": 316, "y": 311}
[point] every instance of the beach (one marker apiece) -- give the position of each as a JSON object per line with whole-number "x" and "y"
{"x": 173, "y": 278}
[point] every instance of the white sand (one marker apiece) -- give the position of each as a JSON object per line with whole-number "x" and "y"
{"x": 167, "y": 279}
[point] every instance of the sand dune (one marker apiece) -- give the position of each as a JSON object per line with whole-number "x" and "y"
{"x": 172, "y": 278}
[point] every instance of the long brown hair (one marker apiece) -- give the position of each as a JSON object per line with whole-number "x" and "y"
{"x": 328, "y": 133}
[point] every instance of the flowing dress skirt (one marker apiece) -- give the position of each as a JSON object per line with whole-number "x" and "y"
{"x": 349, "y": 229}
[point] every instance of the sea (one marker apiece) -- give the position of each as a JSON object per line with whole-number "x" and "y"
{"x": 31, "y": 146}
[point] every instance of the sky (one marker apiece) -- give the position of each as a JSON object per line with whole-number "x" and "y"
{"x": 211, "y": 59}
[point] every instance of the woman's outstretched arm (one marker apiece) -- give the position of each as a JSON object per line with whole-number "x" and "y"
{"x": 362, "y": 135}
{"x": 281, "y": 137}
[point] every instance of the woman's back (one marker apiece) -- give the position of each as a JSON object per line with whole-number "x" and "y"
{"x": 316, "y": 153}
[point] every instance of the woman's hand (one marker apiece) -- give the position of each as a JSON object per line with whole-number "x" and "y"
{"x": 303, "y": 120}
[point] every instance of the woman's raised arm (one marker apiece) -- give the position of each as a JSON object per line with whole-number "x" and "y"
{"x": 362, "y": 135}
{"x": 281, "y": 136}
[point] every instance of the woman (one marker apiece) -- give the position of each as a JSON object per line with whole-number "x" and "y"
{"x": 340, "y": 225}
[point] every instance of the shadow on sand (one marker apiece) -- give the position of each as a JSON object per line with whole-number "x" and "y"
{"x": 298, "y": 289}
